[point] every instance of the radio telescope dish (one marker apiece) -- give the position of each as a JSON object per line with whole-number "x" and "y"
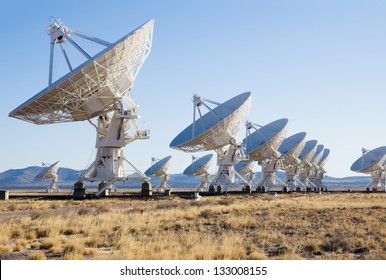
{"x": 100, "y": 87}
{"x": 262, "y": 145}
{"x": 323, "y": 160}
{"x": 92, "y": 88}
{"x": 318, "y": 154}
{"x": 50, "y": 172}
{"x": 159, "y": 168}
{"x": 319, "y": 171}
{"x": 372, "y": 162}
{"x": 314, "y": 167}
{"x": 264, "y": 141}
{"x": 306, "y": 157}
{"x": 290, "y": 150}
{"x": 199, "y": 167}
{"x": 308, "y": 151}
{"x": 244, "y": 167}
{"x": 216, "y": 130}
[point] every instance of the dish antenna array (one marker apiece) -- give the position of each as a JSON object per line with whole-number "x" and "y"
{"x": 50, "y": 172}
{"x": 159, "y": 167}
{"x": 100, "y": 87}
{"x": 306, "y": 157}
{"x": 216, "y": 130}
{"x": 319, "y": 170}
{"x": 290, "y": 150}
{"x": 309, "y": 165}
{"x": 262, "y": 145}
{"x": 199, "y": 167}
{"x": 373, "y": 162}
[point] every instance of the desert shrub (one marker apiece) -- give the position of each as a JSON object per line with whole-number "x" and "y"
{"x": 73, "y": 256}
{"x": 17, "y": 232}
{"x": 39, "y": 255}
{"x": 72, "y": 251}
{"x": 103, "y": 209}
{"x": 67, "y": 231}
{"x": 311, "y": 247}
{"x": 335, "y": 244}
{"x": 41, "y": 233}
{"x": 47, "y": 244}
{"x": 20, "y": 245}
{"x": 31, "y": 234}
{"x": 5, "y": 249}
{"x": 257, "y": 256}
{"x": 35, "y": 245}
{"x": 11, "y": 207}
{"x": 84, "y": 211}
{"x": 207, "y": 213}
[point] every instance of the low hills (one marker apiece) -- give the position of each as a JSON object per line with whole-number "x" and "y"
{"x": 25, "y": 178}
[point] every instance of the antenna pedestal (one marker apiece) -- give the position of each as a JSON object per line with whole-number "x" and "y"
{"x": 110, "y": 164}
{"x": 226, "y": 160}
{"x": 163, "y": 185}
{"x": 269, "y": 168}
{"x": 305, "y": 180}
{"x": 203, "y": 182}
{"x": 377, "y": 181}
{"x": 318, "y": 178}
{"x": 249, "y": 178}
{"x": 53, "y": 186}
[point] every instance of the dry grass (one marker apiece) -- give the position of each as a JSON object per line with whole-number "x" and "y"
{"x": 287, "y": 226}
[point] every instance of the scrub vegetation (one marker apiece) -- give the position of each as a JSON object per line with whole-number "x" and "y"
{"x": 250, "y": 226}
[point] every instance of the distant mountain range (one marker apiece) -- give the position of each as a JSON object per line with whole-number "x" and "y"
{"x": 25, "y": 178}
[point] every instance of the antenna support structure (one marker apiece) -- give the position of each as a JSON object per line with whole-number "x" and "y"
{"x": 99, "y": 88}
{"x": 227, "y": 155}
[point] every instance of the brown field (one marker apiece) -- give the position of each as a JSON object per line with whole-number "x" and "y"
{"x": 325, "y": 226}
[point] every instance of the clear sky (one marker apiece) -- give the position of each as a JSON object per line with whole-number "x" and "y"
{"x": 321, "y": 64}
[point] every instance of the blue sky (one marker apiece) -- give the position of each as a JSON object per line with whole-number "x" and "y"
{"x": 321, "y": 64}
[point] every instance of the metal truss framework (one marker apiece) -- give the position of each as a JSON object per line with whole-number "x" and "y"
{"x": 94, "y": 87}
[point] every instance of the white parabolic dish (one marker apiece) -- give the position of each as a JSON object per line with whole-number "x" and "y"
{"x": 199, "y": 166}
{"x": 159, "y": 168}
{"x": 370, "y": 161}
{"x": 309, "y": 151}
{"x": 292, "y": 146}
{"x": 49, "y": 172}
{"x": 244, "y": 167}
{"x": 318, "y": 154}
{"x": 92, "y": 88}
{"x": 259, "y": 144}
{"x": 216, "y": 128}
{"x": 323, "y": 160}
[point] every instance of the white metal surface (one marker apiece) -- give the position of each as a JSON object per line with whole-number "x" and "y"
{"x": 50, "y": 172}
{"x": 92, "y": 88}
{"x": 370, "y": 161}
{"x": 199, "y": 166}
{"x": 318, "y": 155}
{"x": 308, "y": 151}
{"x": 216, "y": 128}
{"x": 291, "y": 148}
{"x": 373, "y": 162}
{"x": 264, "y": 142}
{"x": 323, "y": 160}
{"x": 158, "y": 167}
